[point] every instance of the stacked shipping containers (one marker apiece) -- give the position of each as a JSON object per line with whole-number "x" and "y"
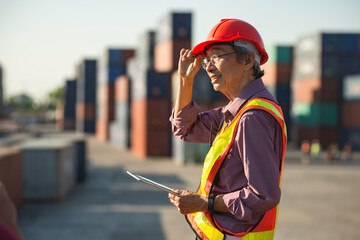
{"x": 86, "y": 96}
{"x": 174, "y": 33}
{"x": 136, "y": 69}
{"x": 350, "y": 117}
{"x": 120, "y": 128}
{"x": 320, "y": 64}
{"x": 111, "y": 65}
{"x": 151, "y": 85}
{"x": 277, "y": 77}
{"x": 68, "y": 118}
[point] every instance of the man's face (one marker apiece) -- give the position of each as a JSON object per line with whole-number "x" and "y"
{"x": 227, "y": 73}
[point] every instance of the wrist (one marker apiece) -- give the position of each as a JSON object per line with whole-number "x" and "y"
{"x": 211, "y": 203}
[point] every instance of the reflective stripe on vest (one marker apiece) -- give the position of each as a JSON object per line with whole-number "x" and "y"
{"x": 202, "y": 223}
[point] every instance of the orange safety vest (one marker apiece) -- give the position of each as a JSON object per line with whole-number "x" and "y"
{"x": 203, "y": 224}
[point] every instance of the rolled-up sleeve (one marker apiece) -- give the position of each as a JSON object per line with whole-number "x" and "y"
{"x": 191, "y": 125}
{"x": 255, "y": 140}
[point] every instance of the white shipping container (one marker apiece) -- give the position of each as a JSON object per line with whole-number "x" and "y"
{"x": 48, "y": 168}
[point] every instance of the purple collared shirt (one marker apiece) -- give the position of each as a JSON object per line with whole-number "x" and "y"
{"x": 249, "y": 177}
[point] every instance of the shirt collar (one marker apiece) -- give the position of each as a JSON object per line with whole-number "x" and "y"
{"x": 232, "y": 108}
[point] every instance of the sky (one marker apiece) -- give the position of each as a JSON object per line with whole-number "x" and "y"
{"x": 42, "y": 41}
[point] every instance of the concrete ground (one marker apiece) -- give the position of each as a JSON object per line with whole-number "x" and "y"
{"x": 319, "y": 201}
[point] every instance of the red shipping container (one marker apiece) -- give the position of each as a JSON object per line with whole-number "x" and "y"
{"x": 153, "y": 142}
{"x": 102, "y": 130}
{"x": 85, "y": 111}
{"x": 277, "y": 73}
{"x": 127, "y": 54}
{"x": 149, "y": 123}
{"x": 11, "y": 173}
{"x": 350, "y": 115}
{"x": 148, "y": 113}
{"x": 59, "y": 116}
{"x": 167, "y": 54}
{"x": 122, "y": 89}
{"x": 304, "y": 90}
{"x": 326, "y": 135}
{"x": 315, "y": 90}
{"x": 106, "y": 103}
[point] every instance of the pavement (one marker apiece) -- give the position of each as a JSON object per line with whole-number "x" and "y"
{"x": 319, "y": 201}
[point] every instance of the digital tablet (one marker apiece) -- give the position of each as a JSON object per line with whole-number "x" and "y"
{"x": 152, "y": 183}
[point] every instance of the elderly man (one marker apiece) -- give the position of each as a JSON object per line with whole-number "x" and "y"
{"x": 240, "y": 184}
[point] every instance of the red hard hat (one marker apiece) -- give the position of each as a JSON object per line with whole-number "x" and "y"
{"x": 230, "y": 29}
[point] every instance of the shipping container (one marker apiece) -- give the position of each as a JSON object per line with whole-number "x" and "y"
{"x": 102, "y": 130}
{"x": 113, "y": 64}
{"x": 351, "y": 88}
{"x": 108, "y": 75}
{"x": 149, "y": 122}
{"x": 122, "y": 89}
{"x": 326, "y": 55}
{"x": 280, "y": 54}
{"x": 105, "y": 108}
{"x": 152, "y": 142}
{"x": 149, "y": 84}
{"x": 350, "y": 114}
{"x": 1, "y": 92}
{"x": 120, "y": 135}
{"x": 78, "y": 140}
{"x": 86, "y": 126}
{"x": 167, "y": 54}
{"x": 11, "y": 173}
{"x": 325, "y": 135}
{"x": 281, "y": 92}
{"x": 174, "y": 26}
{"x": 86, "y": 81}
{"x": 145, "y": 50}
{"x": 351, "y": 135}
{"x": 316, "y": 90}
{"x": 122, "y": 112}
{"x": 149, "y": 113}
{"x": 277, "y": 73}
{"x": 116, "y": 57}
{"x": 48, "y": 167}
{"x": 349, "y": 65}
{"x": 316, "y": 114}
{"x": 70, "y": 101}
{"x": 85, "y": 111}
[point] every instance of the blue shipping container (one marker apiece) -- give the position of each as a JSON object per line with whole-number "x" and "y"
{"x": 70, "y": 100}
{"x": 86, "y": 81}
{"x": 349, "y": 44}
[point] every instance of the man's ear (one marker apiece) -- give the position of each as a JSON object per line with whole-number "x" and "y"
{"x": 249, "y": 61}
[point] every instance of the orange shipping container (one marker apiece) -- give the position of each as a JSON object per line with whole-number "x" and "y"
{"x": 326, "y": 135}
{"x": 150, "y": 127}
{"x": 106, "y": 103}
{"x": 122, "y": 89}
{"x": 153, "y": 142}
{"x": 102, "y": 130}
{"x": 167, "y": 54}
{"x": 277, "y": 73}
{"x": 315, "y": 90}
{"x": 351, "y": 114}
{"x": 11, "y": 173}
{"x": 85, "y": 111}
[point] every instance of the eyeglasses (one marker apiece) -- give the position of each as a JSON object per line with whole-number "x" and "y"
{"x": 214, "y": 59}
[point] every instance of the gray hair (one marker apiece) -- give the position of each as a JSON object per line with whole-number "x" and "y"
{"x": 243, "y": 48}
